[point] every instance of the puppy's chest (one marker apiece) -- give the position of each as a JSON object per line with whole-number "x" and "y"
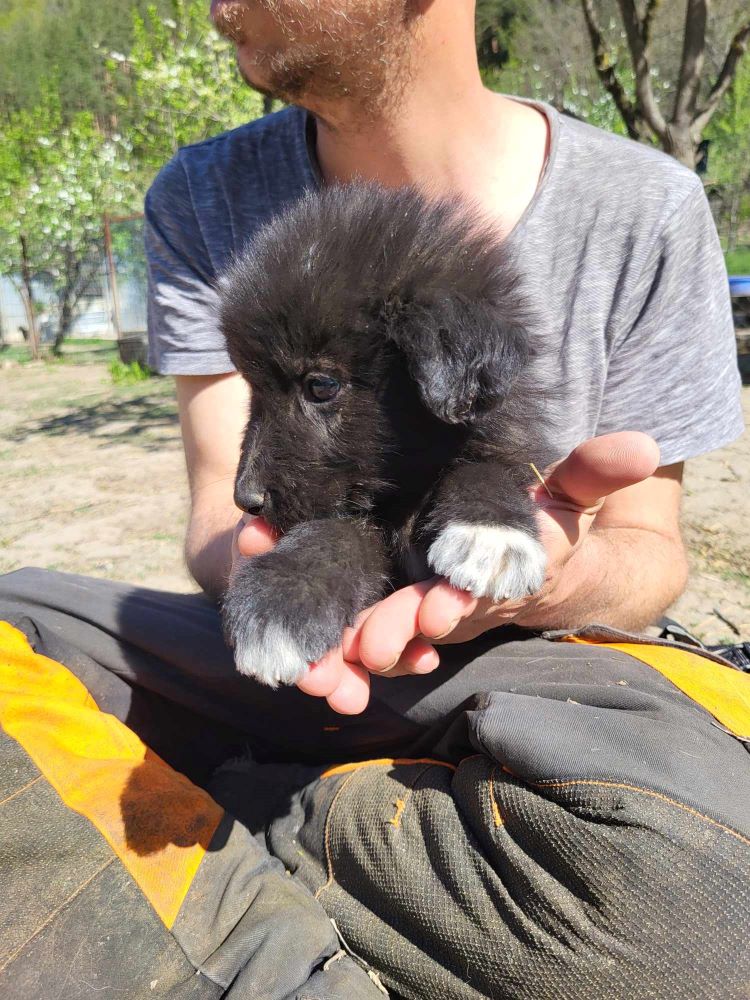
{"x": 407, "y": 547}
{"x": 413, "y": 565}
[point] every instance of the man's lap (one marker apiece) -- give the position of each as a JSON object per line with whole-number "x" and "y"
{"x": 158, "y": 662}
{"x": 560, "y": 821}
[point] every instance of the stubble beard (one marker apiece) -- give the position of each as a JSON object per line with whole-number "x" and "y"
{"x": 333, "y": 51}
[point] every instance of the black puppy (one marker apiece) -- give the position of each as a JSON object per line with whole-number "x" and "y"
{"x": 388, "y": 349}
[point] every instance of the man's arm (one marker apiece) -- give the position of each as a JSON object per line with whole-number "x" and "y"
{"x": 213, "y": 414}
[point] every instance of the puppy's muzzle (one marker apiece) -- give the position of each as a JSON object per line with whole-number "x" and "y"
{"x": 252, "y": 501}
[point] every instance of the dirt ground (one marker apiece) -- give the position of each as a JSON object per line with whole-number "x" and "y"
{"x": 92, "y": 481}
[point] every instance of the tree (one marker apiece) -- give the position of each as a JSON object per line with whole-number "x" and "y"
{"x": 63, "y": 38}
{"x": 15, "y": 182}
{"x": 728, "y": 174}
{"x": 62, "y": 168}
{"x": 539, "y": 66}
{"x": 695, "y": 97}
{"x": 178, "y": 84}
{"x": 57, "y": 178}
{"x": 496, "y": 21}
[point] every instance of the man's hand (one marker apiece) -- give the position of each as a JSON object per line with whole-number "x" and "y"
{"x": 397, "y": 635}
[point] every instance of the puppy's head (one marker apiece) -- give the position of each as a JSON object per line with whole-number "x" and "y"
{"x": 374, "y": 328}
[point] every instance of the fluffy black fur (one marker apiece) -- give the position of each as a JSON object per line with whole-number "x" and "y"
{"x": 418, "y": 464}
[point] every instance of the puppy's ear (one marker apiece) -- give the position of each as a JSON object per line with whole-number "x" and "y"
{"x": 462, "y": 355}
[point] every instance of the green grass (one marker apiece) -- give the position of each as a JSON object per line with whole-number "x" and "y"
{"x": 165, "y": 536}
{"x": 738, "y": 261}
{"x": 81, "y": 352}
{"x": 16, "y": 352}
{"x": 84, "y": 343}
{"x": 76, "y": 351}
{"x": 129, "y": 374}
{"x": 28, "y": 472}
{"x": 84, "y": 508}
{"x": 733, "y": 575}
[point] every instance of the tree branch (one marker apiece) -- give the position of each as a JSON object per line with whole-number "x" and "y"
{"x": 737, "y": 48}
{"x": 648, "y": 20}
{"x": 641, "y": 56}
{"x": 691, "y": 65}
{"x": 607, "y": 72}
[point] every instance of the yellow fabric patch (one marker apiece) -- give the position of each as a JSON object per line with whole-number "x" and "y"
{"x": 156, "y": 821}
{"x": 722, "y": 691}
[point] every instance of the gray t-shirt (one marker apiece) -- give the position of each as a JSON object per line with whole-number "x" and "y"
{"x": 618, "y": 247}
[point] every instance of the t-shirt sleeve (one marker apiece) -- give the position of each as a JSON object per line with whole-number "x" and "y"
{"x": 673, "y": 371}
{"x": 183, "y": 317}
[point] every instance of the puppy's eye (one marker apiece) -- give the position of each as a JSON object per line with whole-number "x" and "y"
{"x": 321, "y": 388}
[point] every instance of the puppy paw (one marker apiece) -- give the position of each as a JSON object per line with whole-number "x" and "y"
{"x": 268, "y": 652}
{"x": 497, "y": 562}
{"x": 274, "y": 638}
{"x": 286, "y": 609}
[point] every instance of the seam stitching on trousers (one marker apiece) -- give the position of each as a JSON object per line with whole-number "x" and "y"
{"x": 327, "y": 833}
{"x": 633, "y": 788}
{"x": 496, "y": 814}
{"x": 20, "y": 791}
{"x": 52, "y": 915}
{"x": 327, "y": 836}
{"x": 402, "y": 803}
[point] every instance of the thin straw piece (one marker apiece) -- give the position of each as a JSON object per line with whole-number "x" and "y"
{"x": 540, "y": 477}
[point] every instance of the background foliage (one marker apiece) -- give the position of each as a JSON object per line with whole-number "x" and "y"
{"x": 95, "y": 97}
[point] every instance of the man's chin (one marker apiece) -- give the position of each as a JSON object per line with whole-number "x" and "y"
{"x": 291, "y": 88}
{"x": 254, "y": 78}
{"x": 257, "y": 74}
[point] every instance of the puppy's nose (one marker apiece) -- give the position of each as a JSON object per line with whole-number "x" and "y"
{"x": 253, "y": 503}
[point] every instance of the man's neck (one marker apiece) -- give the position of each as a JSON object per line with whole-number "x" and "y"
{"x": 491, "y": 153}
{"x": 447, "y": 135}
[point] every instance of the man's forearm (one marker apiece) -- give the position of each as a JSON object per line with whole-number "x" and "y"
{"x": 624, "y": 577}
{"x": 208, "y": 550}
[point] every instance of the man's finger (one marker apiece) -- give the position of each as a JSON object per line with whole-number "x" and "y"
{"x": 256, "y": 537}
{"x": 350, "y": 638}
{"x": 324, "y": 677}
{"x": 603, "y": 465}
{"x": 353, "y": 693}
{"x": 392, "y": 624}
{"x": 443, "y": 608}
{"x": 419, "y": 657}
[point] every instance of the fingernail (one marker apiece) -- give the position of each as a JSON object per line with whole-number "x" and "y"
{"x": 417, "y": 668}
{"x": 448, "y": 631}
{"x": 387, "y": 670}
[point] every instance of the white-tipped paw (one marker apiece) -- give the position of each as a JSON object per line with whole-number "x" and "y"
{"x": 504, "y": 564}
{"x": 269, "y": 653}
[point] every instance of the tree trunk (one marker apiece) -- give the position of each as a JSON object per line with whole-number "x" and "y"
{"x": 68, "y": 298}
{"x": 64, "y": 324}
{"x": 678, "y": 142}
{"x": 734, "y": 219}
{"x": 27, "y": 297}
{"x": 81, "y": 268}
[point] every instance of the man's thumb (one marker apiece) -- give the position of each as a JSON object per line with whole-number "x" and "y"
{"x": 255, "y": 537}
{"x": 604, "y": 465}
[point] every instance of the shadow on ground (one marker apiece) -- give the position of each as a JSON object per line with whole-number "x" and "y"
{"x": 147, "y": 420}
